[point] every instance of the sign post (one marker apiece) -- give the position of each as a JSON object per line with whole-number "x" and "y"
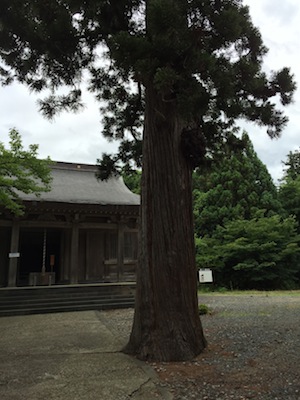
{"x": 205, "y": 275}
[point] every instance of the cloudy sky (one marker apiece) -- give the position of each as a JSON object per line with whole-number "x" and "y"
{"x": 77, "y": 137}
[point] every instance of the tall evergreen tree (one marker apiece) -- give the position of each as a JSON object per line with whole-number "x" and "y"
{"x": 183, "y": 70}
{"x": 289, "y": 190}
{"x": 238, "y": 186}
{"x": 292, "y": 165}
{"x": 289, "y": 195}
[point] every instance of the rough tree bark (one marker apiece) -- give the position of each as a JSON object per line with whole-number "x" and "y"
{"x": 166, "y": 324}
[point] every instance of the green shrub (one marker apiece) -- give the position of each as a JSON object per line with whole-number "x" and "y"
{"x": 203, "y": 309}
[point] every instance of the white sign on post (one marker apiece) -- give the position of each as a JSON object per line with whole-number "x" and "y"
{"x": 205, "y": 275}
{"x": 14, "y": 255}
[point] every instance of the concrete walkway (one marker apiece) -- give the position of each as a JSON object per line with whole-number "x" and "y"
{"x": 69, "y": 356}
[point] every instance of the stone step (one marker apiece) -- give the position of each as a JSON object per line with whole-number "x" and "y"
{"x": 71, "y": 289}
{"x": 28, "y": 311}
{"x": 57, "y": 299}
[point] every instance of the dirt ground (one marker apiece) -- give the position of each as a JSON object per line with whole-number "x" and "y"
{"x": 253, "y": 351}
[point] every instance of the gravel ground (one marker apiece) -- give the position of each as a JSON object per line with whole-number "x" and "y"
{"x": 253, "y": 350}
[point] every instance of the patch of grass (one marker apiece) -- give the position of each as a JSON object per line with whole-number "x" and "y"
{"x": 210, "y": 288}
{"x": 204, "y": 309}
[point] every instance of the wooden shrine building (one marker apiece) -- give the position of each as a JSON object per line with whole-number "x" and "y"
{"x": 83, "y": 231}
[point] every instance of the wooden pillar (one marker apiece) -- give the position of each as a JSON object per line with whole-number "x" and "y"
{"x": 120, "y": 259}
{"x": 87, "y": 260}
{"x": 64, "y": 262}
{"x": 14, "y": 248}
{"x": 74, "y": 264}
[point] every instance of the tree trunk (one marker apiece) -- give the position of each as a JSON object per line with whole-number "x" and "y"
{"x": 166, "y": 324}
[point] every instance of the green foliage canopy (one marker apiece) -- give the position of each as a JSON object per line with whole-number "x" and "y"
{"x": 238, "y": 186}
{"x": 289, "y": 194}
{"x": 132, "y": 180}
{"x": 260, "y": 253}
{"x": 205, "y": 56}
{"x": 292, "y": 165}
{"x": 21, "y": 172}
{"x": 289, "y": 190}
{"x": 241, "y": 231}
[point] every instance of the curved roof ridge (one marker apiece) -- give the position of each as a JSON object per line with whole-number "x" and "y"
{"x": 77, "y": 183}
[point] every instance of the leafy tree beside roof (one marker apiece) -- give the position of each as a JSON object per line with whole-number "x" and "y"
{"x": 181, "y": 71}
{"x": 132, "y": 179}
{"x": 21, "y": 172}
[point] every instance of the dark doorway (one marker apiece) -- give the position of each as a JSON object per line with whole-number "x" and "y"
{"x": 32, "y": 244}
{"x": 5, "y": 235}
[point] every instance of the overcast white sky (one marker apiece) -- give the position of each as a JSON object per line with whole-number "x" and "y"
{"x": 77, "y": 137}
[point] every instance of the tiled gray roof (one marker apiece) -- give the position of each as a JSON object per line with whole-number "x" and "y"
{"x": 77, "y": 183}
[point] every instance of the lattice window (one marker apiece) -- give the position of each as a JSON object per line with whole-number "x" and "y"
{"x": 130, "y": 245}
